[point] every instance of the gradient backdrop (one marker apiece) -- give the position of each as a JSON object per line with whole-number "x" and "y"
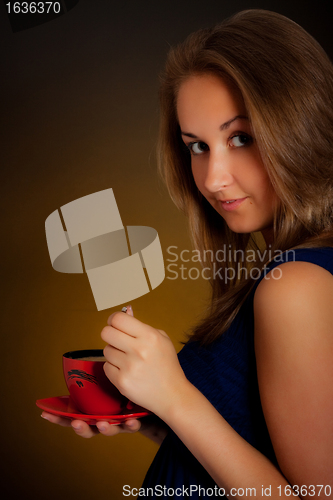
{"x": 80, "y": 114}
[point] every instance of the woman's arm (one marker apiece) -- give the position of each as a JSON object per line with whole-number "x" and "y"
{"x": 294, "y": 351}
{"x": 142, "y": 364}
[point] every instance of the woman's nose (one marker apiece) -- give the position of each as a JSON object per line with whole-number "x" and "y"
{"x": 218, "y": 173}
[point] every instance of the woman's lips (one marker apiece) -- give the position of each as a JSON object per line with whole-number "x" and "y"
{"x": 229, "y": 205}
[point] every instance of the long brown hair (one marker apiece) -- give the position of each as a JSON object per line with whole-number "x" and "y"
{"x": 286, "y": 80}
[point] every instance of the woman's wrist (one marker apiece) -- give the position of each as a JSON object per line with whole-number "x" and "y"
{"x": 182, "y": 401}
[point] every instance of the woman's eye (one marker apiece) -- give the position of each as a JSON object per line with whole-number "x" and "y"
{"x": 197, "y": 148}
{"x": 239, "y": 140}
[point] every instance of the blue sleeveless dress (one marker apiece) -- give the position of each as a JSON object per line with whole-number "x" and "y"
{"x": 225, "y": 372}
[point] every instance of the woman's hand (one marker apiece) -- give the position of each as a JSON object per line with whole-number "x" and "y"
{"x": 87, "y": 431}
{"x": 151, "y": 427}
{"x": 142, "y": 363}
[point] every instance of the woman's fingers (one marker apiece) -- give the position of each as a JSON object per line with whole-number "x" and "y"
{"x": 65, "y": 422}
{"x": 118, "y": 339}
{"x": 79, "y": 426}
{"x": 112, "y": 371}
{"x": 114, "y": 355}
{"x": 132, "y": 425}
{"x": 127, "y": 324}
{"x": 84, "y": 430}
{"x": 118, "y": 319}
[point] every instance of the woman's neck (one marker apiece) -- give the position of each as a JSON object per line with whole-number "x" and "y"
{"x": 268, "y": 235}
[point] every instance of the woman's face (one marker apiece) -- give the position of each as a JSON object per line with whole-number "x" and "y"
{"x": 226, "y": 164}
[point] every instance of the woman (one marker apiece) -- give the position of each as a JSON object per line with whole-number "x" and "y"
{"x": 246, "y": 146}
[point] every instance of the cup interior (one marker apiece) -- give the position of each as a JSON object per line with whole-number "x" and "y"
{"x": 85, "y": 353}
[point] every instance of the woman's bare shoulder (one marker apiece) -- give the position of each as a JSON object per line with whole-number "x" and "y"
{"x": 297, "y": 281}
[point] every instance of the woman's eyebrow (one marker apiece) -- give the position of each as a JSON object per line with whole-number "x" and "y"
{"x": 227, "y": 124}
{"x": 188, "y": 134}
{"x": 224, "y": 126}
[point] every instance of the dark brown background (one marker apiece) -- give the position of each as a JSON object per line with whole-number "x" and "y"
{"x": 79, "y": 114}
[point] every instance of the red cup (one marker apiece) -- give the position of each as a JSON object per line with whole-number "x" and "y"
{"x": 90, "y": 389}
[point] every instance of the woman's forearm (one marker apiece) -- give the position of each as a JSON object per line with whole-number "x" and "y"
{"x": 231, "y": 461}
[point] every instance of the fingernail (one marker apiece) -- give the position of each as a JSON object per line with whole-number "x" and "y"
{"x": 102, "y": 427}
{"x": 77, "y": 427}
{"x": 45, "y": 418}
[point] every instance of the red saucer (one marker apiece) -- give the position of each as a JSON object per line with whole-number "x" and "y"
{"x": 64, "y": 407}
